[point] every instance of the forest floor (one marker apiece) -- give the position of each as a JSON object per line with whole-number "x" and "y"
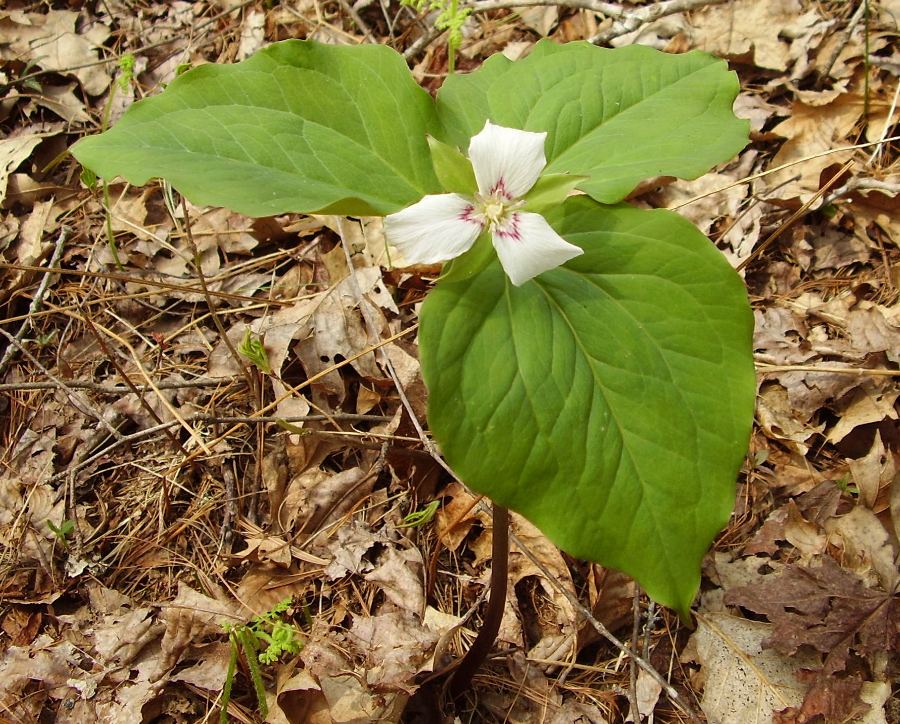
{"x": 155, "y": 519}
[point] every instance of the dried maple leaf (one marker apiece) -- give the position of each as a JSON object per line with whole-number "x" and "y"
{"x": 834, "y": 698}
{"x": 825, "y": 607}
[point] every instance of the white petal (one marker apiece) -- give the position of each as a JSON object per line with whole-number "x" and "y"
{"x": 437, "y": 228}
{"x": 509, "y": 157}
{"x": 528, "y": 246}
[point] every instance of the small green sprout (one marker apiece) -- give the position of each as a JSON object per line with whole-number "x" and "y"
{"x": 847, "y": 487}
{"x": 126, "y": 68}
{"x": 252, "y": 348}
{"x": 421, "y": 517}
{"x": 62, "y": 531}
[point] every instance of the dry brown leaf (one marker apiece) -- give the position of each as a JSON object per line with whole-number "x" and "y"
{"x": 399, "y": 573}
{"x": 298, "y": 698}
{"x": 52, "y": 41}
{"x": 809, "y": 130}
{"x": 873, "y": 474}
{"x": 54, "y": 664}
{"x": 779, "y": 418}
{"x": 62, "y": 101}
{"x": 264, "y": 586}
{"x": 825, "y": 607}
{"x": 746, "y": 28}
{"x": 119, "y": 638}
{"x": 742, "y": 681}
{"x": 455, "y": 518}
{"x": 866, "y": 547}
{"x": 864, "y": 408}
{"x": 808, "y": 538}
{"x": 189, "y": 619}
{"x": 316, "y": 498}
{"x": 540, "y": 19}
{"x": 834, "y": 699}
{"x": 209, "y": 672}
{"x": 648, "y": 690}
{"x": 396, "y": 647}
{"x": 779, "y": 337}
{"x": 350, "y": 702}
{"x": 13, "y": 151}
{"x": 349, "y": 546}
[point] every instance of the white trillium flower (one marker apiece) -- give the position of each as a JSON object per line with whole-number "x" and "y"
{"x": 507, "y": 162}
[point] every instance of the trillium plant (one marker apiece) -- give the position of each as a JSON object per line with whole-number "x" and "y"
{"x": 589, "y": 363}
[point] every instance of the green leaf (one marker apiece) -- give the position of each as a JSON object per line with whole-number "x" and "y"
{"x": 298, "y": 127}
{"x": 550, "y": 191}
{"x": 453, "y": 168}
{"x": 617, "y": 115}
{"x": 609, "y": 401}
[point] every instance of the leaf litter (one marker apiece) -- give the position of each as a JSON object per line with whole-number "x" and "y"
{"x": 125, "y": 548}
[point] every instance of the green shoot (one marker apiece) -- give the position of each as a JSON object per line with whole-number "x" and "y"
{"x": 450, "y": 18}
{"x": 62, "y": 531}
{"x": 252, "y": 348}
{"x": 126, "y": 68}
{"x": 263, "y": 641}
{"x": 421, "y": 517}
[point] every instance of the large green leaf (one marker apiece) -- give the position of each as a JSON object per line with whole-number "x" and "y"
{"x": 610, "y": 400}
{"x": 619, "y": 116}
{"x": 297, "y": 127}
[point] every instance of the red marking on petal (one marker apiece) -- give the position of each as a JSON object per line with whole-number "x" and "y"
{"x": 499, "y": 189}
{"x": 511, "y": 231}
{"x": 468, "y": 214}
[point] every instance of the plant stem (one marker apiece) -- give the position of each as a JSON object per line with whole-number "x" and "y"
{"x": 451, "y": 42}
{"x": 476, "y": 655}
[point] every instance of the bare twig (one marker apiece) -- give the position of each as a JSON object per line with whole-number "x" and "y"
{"x": 645, "y": 14}
{"x": 422, "y": 42}
{"x": 137, "y": 279}
{"x": 78, "y": 401}
{"x": 632, "y": 663}
{"x": 764, "y": 368}
{"x": 35, "y": 304}
{"x": 603, "y": 8}
{"x": 360, "y": 23}
{"x": 140, "y": 396}
{"x": 845, "y": 36}
{"x": 117, "y": 390}
{"x": 862, "y": 184}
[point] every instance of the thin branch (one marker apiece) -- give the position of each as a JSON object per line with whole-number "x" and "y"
{"x": 862, "y": 184}
{"x": 845, "y": 37}
{"x": 647, "y": 14}
{"x": 603, "y": 8}
{"x": 37, "y": 299}
{"x": 80, "y": 403}
{"x": 760, "y": 248}
{"x": 764, "y": 368}
{"x": 632, "y": 664}
{"x": 360, "y": 23}
{"x": 117, "y": 390}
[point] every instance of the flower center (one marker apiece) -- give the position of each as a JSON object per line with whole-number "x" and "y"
{"x": 494, "y": 209}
